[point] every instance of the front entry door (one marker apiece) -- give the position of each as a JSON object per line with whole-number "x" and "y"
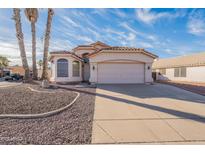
{"x": 86, "y": 72}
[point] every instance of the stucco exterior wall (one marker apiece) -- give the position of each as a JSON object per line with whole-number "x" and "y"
{"x": 121, "y": 56}
{"x": 194, "y": 74}
{"x": 135, "y": 57}
{"x": 70, "y": 77}
{"x": 148, "y": 72}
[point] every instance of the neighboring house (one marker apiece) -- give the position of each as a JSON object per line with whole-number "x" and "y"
{"x": 185, "y": 68}
{"x": 16, "y": 70}
{"x": 4, "y": 72}
{"x": 101, "y": 63}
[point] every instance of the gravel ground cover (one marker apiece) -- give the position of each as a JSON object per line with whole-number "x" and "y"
{"x": 21, "y": 100}
{"x": 198, "y": 88}
{"x": 72, "y": 126}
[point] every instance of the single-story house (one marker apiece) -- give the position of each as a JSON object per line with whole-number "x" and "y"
{"x": 16, "y": 70}
{"x": 184, "y": 68}
{"x": 101, "y": 63}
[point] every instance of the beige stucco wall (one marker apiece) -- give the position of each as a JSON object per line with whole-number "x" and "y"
{"x": 194, "y": 74}
{"x": 123, "y": 56}
{"x": 135, "y": 57}
{"x": 70, "y": 77}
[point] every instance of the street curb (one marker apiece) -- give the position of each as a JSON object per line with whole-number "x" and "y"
{"x": 11, "y": 85}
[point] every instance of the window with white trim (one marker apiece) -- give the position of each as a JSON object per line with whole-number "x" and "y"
{"x": 62, "y": 68}
{"x": 76, "y": 68}
{"x": 180, "y": 72}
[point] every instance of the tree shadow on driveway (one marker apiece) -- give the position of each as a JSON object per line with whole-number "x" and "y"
{"x": 180, "y": 114}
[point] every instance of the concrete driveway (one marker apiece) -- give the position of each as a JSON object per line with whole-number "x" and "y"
{"x": 159, "y": 113}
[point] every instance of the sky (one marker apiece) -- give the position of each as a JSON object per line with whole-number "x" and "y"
{"x": 164, "y": 32}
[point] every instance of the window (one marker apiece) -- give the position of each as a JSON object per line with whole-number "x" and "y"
{"x": 176, "y": 72}
{"x": 62, "y": 68}
{"x": 76, "y": 68}
{"x": 162, "y": 71}
{"x": 183, "y": 72}
{"x": 180, "y": 72}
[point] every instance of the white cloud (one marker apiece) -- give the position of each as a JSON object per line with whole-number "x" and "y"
{"x": 196, "y": 23}
{"x": 131, "y": 37}
{"x": 84, "y": 38}
{"x": 169, "y": 51}
{"x": 141, "y": 34}
{"x": 67, "y": 20}
{"x": 152, "y": 37}
{"x": 126, "y": 26}
{"x": 149, "y": 17}
{"x": 100, "y": 11}
{"x": 119, "y": 13}
{"x": 144, "y": 44}
{"x": 113, "y": 31}
{"x": 96, "y": 34}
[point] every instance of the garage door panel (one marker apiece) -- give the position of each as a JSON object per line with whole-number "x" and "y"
{"x": 120, "y": 73}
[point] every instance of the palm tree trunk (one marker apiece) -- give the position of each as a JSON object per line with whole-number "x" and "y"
{"x": 46, "y": 45}
{"x": 19, "y": 35}
{"x": 33, "y": 30}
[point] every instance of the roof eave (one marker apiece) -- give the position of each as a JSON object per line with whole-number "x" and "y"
{"x": 67, "y": 54}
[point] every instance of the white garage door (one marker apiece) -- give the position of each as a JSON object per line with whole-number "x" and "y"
{"x": 120, "y": 73}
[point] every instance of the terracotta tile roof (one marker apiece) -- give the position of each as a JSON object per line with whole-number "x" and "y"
{"x": 63, "y": 53}
{"x": 189, "y": 60}
{"x": 17, "y": 69}
{"x": 82, "y": 47}
{"x": 100, "y": 43}
{"x": 60, "y": 52}
{"x": 85, "y": 46}
{"x": 91, "y": 46}
{"x": 124, "y": 50}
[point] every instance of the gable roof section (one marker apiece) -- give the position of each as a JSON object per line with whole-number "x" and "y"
{"x": 123, "y": 50}
{"x": 189, "y": 60}
{"x": 54, "y": 53}
{"x": 83, "y": 47}
{"x": 99, "y": 43}
{"x": 91, "y": 46}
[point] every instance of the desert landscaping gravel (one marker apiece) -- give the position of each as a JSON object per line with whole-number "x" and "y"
{"x": 194, "y": 87}
{"x": 72, "y": 126}
{"x": 21, "y": 100}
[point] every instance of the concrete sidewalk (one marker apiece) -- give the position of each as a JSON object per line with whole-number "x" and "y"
{"x": 8, "y": 84}
{"x": 154, "y": 114}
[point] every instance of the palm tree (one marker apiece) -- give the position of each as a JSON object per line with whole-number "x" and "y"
{"x": 40, "y": 63}
{"x": 19, "y": 35}
{"x": 32, "y": 16}
{"x": 4, "y": 62}
{"x": 46, "y": 45}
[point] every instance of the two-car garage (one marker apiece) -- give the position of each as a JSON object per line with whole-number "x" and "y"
{"x": 121, "y": 65}
{"x": 120, "y": 73}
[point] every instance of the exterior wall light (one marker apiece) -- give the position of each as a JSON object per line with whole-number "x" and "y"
{"x": 148, "y": 67}
{"x": 93, "y": 68}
